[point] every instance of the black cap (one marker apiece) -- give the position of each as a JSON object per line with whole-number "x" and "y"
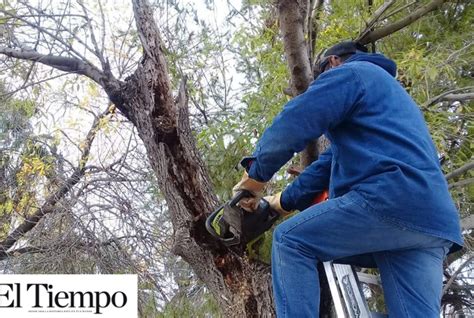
{"x": 340, "y": 49}
{"x": 346, "y": 47}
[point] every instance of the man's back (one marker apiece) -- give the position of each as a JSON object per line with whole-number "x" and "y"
{"x": 383, "y": 149}
{"x": 380, "y": 147}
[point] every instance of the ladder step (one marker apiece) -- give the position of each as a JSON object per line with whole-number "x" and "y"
{"x": 369, "y": 279}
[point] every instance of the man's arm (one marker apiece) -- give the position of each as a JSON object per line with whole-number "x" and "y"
{"x": 314, "y": 179}
{"x": 326, "y": 103}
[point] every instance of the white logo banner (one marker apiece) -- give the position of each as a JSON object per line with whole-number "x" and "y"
{"x": 68, "y": 296}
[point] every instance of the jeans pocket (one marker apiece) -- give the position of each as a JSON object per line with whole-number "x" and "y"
{"x": 352, "y": 198}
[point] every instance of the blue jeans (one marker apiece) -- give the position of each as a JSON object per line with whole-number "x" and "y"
{"x": 410, "y": 263}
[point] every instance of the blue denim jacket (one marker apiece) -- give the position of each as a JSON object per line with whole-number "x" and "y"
{"x": 380, "y": 147}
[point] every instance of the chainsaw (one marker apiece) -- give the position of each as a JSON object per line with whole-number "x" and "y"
{"x": 232, "y": 225}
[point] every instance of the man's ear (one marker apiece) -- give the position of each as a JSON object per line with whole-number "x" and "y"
{"x": 334, "y": 61}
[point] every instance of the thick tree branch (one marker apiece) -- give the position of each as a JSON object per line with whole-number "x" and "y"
{"x": 112, "y": 86}
{"x": 313, "y": 29}
{"x": 49, "y": 205}
{"x": 66, "y": 64}
{"x": 382, "y": 32}
{"x": 292, "y": 19}
{"x": 457, "y": 97}
{"x": 440, "y": 97}
{"x": 461, "y": 183}
{"x": 147, "y": 30}
{"x": 154, "y": 56}
{"x": 162, "y": 124}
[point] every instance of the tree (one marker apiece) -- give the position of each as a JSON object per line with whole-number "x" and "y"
{"x": 153, "y": 96}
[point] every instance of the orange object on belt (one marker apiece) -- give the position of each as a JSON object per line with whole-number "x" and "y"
{"x": 320, "y": 197}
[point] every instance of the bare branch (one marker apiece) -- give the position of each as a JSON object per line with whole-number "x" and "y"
{"x": 25, "y": 85}
{"x": 456, "y": 273}
{"x": 456, "y": 54}
{"x": 436, "y": 99}
{"x": 61, "y": 26}
{"x": 375, "y": 18}
{"x": 102, "y": 15}
{"x": 97, "y": 50}
{"x": 50, "y": 202}
{"x": 41, "y": 249}
{"x": 400, "y": 24}
{"x": 43, "y": 30}
{"x": 44, "y": 15}
{"x": 399, "y": 10}
{"x": 462, "y": 183}
{"x": 313, "y": 26}
{"x": 112, "y": 86}
{"x": 457, "y": 97}
{"x": 456, "y": 173}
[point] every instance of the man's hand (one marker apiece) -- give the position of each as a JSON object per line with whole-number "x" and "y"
{"x": 275, "y": 204}
{"x": 254, "y": 187}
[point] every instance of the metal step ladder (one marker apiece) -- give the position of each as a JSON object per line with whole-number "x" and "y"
{"x": 347, "y": 291}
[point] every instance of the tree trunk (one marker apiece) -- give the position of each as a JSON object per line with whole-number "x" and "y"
{"x": 241, "y": 288}
{"x": 292, "y": 16}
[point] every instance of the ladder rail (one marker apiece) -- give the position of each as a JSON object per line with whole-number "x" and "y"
{"x": 336, "y": 296}
{"x": 347, "y": 292}
{"x": 352, "y": 292}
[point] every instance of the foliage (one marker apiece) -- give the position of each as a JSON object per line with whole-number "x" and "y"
{"x": 21, "y": 161}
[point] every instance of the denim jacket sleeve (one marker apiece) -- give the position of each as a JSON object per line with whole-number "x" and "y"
{"x": 327, "y": 102}
{"x": 313, "y": 180}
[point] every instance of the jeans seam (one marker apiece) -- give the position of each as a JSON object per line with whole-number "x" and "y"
{"x": 395, "y": 284}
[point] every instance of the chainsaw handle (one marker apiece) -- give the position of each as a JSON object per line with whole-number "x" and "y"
{"x": 239, "y": 196}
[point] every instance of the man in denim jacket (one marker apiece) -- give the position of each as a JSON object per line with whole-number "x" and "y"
{"x": 389, "y": 203}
